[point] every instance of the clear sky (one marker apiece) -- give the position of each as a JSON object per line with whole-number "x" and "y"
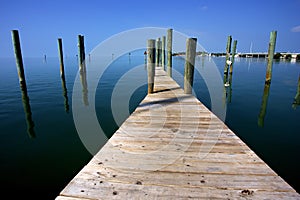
{"x": 41, "y": 22}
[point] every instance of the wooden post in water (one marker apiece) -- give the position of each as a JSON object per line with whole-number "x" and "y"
{"x": 151, "y": 64}
{"x": 191, "y": 45}
{"x": 81, "y": 52}
{"x": 163, "y": 52}
{"x": 61, "y": 58}
{"x": 271, "y": 51}
{"x": 169, "y": 51}
{"x": 18, "y": 56}
{"x": 233, "y": 56}
{"x": 228, "y": 49}
{"x": 158, "y": 52}
{"x": 297, "y": 97}
{"x": 22, "y": 80}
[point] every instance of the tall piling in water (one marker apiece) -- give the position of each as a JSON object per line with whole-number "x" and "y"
{"x": 228, "y": 50}
{"x": 158, "y": 52}
{"x": 271, "y": 50}
{"x": 169, "y": 51}
{"x": 163, "y": 52}
{"x": 297, "y": 97}
{"x": 264, "y": 103}
{"x": 22, "y": 80}
{"x": 81, "y": 52}
{"x": 191, "y": 45}
{"x": 61, "y": 57}
{"x": 18, "y": 56}
{"x": 151, "y": 64}
{"x": 233, "y": 56}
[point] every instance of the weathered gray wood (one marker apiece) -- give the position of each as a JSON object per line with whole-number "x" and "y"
{"x": 158, "y": 52}
{"x": 173, "y": 147}
{"x": 163, "y": 52}
{"x": 151, "y": 64}
{"x": 61, "y": 58}
{"x": 81, "y": 52}
{"x": 271, "y": 51}
{"x": 18, "y": 56}
{"x": 169, "y": 51}
{"x": 191, "y": 45}
{"x": 228, "y": 50}
{"x": 233, "y": 56}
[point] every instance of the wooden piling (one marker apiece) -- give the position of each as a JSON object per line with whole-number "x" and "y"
{"x": 151, "y": 64}
{"x": 228, "y": 49}
{"x": 18, "y": 56}
{"x": 169, "y": 51}
{"x": 163, "y": 52}
{"x": 61, "y": 58}
{"x": 191, "y": 45}
{"x": 272, "y": 44}
{"x": 233, "y": 56}
{"x": 158, "y": 52}
{"x": 81, "y": 52}
{"x": 297, "y": 97}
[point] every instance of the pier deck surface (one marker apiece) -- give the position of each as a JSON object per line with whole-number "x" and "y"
{"x": 173, "y": 147}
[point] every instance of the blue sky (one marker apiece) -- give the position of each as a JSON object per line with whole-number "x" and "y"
{"x": 41, "y": 22}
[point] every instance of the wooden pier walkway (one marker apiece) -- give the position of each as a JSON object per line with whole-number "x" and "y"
{"x": 173, "y": 147}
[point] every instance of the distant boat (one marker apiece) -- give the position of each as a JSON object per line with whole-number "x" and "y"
{"x": 227, "y": 84}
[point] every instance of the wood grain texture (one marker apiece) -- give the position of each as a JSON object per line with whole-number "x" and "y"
{"x": 173, "y": 147}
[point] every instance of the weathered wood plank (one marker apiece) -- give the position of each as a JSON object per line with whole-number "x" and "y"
{"x": 173, "y": 147}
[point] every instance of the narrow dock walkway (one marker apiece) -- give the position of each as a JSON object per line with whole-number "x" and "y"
{"x": 173, "y": 147}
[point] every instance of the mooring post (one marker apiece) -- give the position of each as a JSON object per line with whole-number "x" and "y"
{"x": 228, "y": 49}
{"x": 18, "y": 56}
{"x": 191, "y": 45}
{"x": 169, "y": 51}
{"x": 297, "y": 97}
{"x": 151, "y": 64}
{"x": 81, "y": 52}
{"x": 271, "y": 51}
{"x": 61, "y": 58}
{"x": 163, "y": 52}
{"x": 22, "y": 80}
{"x": 233, "y": 56}
{"x": 158, "y": 52}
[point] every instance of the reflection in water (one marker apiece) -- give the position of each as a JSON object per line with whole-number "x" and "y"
{"x": 27, "y": 110}
{"x": 227, "y": 88}
{"x": 297, "y": 97}
{"x": 84, "y": 85}
{"x": 65, "y": 93}
{"x": 263, "y": 107}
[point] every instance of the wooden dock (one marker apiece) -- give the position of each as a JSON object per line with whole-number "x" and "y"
{"x": 173, "y": 147}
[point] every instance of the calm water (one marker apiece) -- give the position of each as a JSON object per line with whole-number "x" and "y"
{"x": 40, "y": 161}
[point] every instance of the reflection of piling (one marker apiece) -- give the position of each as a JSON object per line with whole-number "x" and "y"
{"x": 163, "y": 52}
{"x": 28, "y": 114}
{"x": 263, "y": 107}
{"x": 230, "y": 88}
{"x": 151, "y": 64}
{"x": 65, "y": 93}
{"x": 297, "y": 97}
{"x": 228, "y": 49}
{"x": 61, "y": 58}
{"x": 81, "y": 52}
{"x": 233, "y": 56}
{"x": 271, "y": 51}
{"x": 169, "y": 51}
{"x": 191, "y": 44}
{"x": 21, "y": 74}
